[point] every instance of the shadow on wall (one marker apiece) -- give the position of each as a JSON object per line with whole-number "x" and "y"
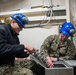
{"x": 36, "y": 36}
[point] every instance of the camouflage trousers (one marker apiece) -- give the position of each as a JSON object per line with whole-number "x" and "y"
{"x": 20, "y": 68}
{"x": 29, "y": 64}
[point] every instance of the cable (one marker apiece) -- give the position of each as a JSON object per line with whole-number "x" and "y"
{"x": 50, "y": 13}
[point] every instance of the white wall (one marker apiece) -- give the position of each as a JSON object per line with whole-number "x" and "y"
{"x": 36, "y": 36}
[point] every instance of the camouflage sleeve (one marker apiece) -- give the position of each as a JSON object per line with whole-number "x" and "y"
{"x": 70, "y": 54}
{"x": 46, "y": 45}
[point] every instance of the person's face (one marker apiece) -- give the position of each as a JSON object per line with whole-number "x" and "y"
{"x": 16, "y": 27}
{"x": 63, "y": 37}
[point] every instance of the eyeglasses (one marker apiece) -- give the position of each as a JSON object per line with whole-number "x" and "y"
{"x": 19, "y": 25}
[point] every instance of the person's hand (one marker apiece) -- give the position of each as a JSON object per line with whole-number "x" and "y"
{"x": 30, "y": 49}
{"x": 53, "y": 59}
{"x": 49, "y": 62}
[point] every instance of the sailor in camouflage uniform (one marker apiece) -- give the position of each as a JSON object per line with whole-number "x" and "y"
{"x": 59, "y": 47}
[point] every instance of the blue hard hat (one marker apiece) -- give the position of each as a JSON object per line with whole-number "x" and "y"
{"x": 21, "y": 19}
{"x": 68, "y": 29}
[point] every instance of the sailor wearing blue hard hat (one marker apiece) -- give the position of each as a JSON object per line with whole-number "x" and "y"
{"x": 67, "y": 30}
{"x": 11, "y": 48}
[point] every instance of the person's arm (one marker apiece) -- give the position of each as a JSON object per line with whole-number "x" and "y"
{"x": 8, "y": 49}
{"x": 45, "y": 47}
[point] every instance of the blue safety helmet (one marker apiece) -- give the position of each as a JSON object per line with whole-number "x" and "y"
{"x": 68, "y": 29}
{"x": 21, "y": 19}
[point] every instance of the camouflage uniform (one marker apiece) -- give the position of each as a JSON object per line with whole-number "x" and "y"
{"x": 54, "y": 48}
{"x": 14, "y": 69}
{"x": 29, "y": 64}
